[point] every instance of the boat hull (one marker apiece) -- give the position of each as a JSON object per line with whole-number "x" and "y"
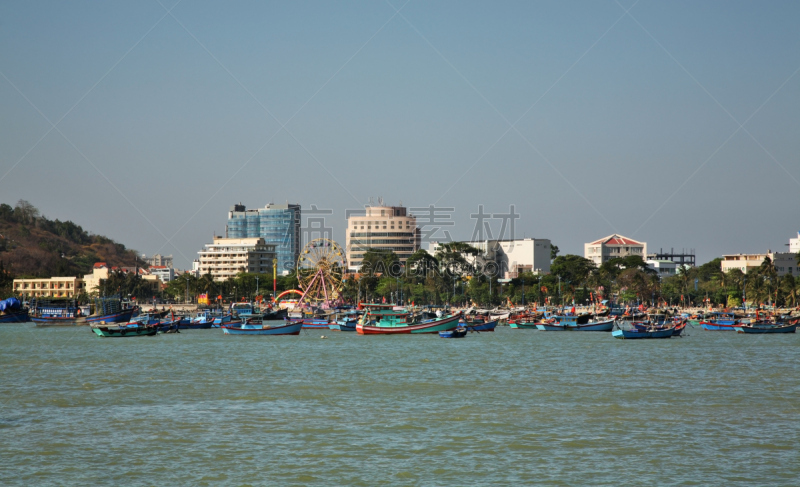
{"x": 121, "y": 317}
{"x": 596, "y": 326}
{"x": 343, "y": 326}
{"x": 457, "y": 333}
{"x": 635, "y": 334}
{"x": 708, "y": 326}
{"x": 445, "y": 324}
{"x": 15, "y": 317}
{"x": 292, "y": 328}
{"x": 59, "y": 321}
{"x": 758, "y": 330}
{"x": 523, "y": 326}
{"x": 124, "y": 332}
{"x": 488, "y": 326}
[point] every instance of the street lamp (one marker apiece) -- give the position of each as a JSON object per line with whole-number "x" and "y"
{"x": 523, "y": 292}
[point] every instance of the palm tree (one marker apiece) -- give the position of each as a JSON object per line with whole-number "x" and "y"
{"x": 790, "y": 286}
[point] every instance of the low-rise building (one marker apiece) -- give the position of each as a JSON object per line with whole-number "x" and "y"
{"x": 784, "y": 262}
{"x": 510, "y": 257}
{"x": 53, "y": 287}
{"x": 100, "y": 272}
{"x": 612, "y": 247}
{"x": 164, "y": 273}
{"x": 665, "y": 268}
{"x": 158, "y": 260}
{"x": 227, "y": 257}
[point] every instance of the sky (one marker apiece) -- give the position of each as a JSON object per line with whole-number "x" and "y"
{"x": 671, "y": 122}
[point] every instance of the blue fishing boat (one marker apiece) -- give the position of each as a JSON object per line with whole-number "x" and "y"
{"x": 761, "y": 328}
{"x": 459, "y": 332}
{"x": 280, "y": 328}
{"x": 11, "y": 311}
{"x": 57, "y": 312}
{"x": 123, "y": 316}
{"x": 634, "y": 333}
{"x": 316, "y": 323}
{"x": 343, "y": 325}
{"x": 482, "y": 326}
{"x": 720, "y": 322}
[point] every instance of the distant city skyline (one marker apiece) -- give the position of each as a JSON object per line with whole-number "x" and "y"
{"x": 672, "y": 123}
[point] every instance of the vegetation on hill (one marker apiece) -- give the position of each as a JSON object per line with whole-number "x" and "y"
{"x": 31, "y": 245}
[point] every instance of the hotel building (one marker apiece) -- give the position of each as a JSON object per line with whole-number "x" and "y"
{"x": 278, "y": 225}
{"x": 388, "y": 228}
{"x": 53, "y": 287}
{"x": 227, "y": 257}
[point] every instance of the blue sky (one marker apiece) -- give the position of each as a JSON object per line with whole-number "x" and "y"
{"x": 588, "y": 119}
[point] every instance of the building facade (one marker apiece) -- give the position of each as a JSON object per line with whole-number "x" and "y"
{"x": 794, "y": 244}
{"x": 612, "y": 247}
{"x": 158, "y": 260}
{"x": 53, "y": 287}
{"x": 665, "y": 268}
{"x": 226, "y": 257}
{"x": 278, "y": 225}
{"x": 511, "y": 257}
{"x": 784, "y": 262}
{"x": 164, "y": 273}
{"x": 388, "y": 228}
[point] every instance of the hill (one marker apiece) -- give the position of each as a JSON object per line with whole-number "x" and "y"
{"x": 31, "y": 245}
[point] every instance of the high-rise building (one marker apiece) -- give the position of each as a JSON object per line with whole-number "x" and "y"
{"x": 226, "y": 257}
{"x": 612, "y": 247}
{"x": 388, "y": 228}
{"x": 794, "y": 244}
{"x": 278, "y": 225}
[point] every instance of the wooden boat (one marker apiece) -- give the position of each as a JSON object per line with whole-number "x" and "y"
{"x": 757, "y": 328}
{"x": 285, "y": 328}
{"x": 343, "y": 325}
{"x": 315, "y": 323}
{"x": 607, "y": 325}
{"x": 720, "y": 322}
{"x": 458, "y": 332}
{"x": 486, "y": 326}
{"x": 634, "y": 333}
{"x": 123, "y": 316}
{"x": 11, "y": 311}
{"x": 124, "y": 330}
{"x": 388, "y": 326}
{"x": 677, "y": 326}
{"x": 522, "y": 325}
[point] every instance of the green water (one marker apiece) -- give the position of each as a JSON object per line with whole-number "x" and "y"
{"x": 512, "y": 407}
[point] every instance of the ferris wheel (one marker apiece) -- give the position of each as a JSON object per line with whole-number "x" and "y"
{"x": 320, "y": 269}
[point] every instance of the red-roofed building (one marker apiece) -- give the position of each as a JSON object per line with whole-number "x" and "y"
{"x": 612, "y": 247}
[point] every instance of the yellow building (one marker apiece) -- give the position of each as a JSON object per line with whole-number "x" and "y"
{"x": 53, "y": 287}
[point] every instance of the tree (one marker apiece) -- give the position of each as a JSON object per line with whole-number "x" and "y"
{"x": 25, "y": 212}
{"x": 790, "y": 286}
{"x": 553, "y": 252}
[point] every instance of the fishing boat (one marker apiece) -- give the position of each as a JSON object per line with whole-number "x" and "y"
{"x": 343, "y": 325}
{"x": 760, "y": 328}
{"x": 634, "y": 333}
{"x": 124, "y": 330}
{"x": 390, "y": 326}
{"x": 283, "y": 328}
{"x": 11, "y": 311}
{"x": 485, "y": 326}
{"x": 677, "y": 326}
{"x": 57, "y": 313}
{"x": 720, "y": 322}
{"x": 458, "y": 332}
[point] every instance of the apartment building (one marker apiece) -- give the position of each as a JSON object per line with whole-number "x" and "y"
{"x": 227, "y": 257}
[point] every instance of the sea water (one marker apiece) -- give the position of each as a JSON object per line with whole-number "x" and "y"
{"x": 513, "y": 407}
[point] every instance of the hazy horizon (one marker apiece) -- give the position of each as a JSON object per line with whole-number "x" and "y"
{"x": 673, "y": 123}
